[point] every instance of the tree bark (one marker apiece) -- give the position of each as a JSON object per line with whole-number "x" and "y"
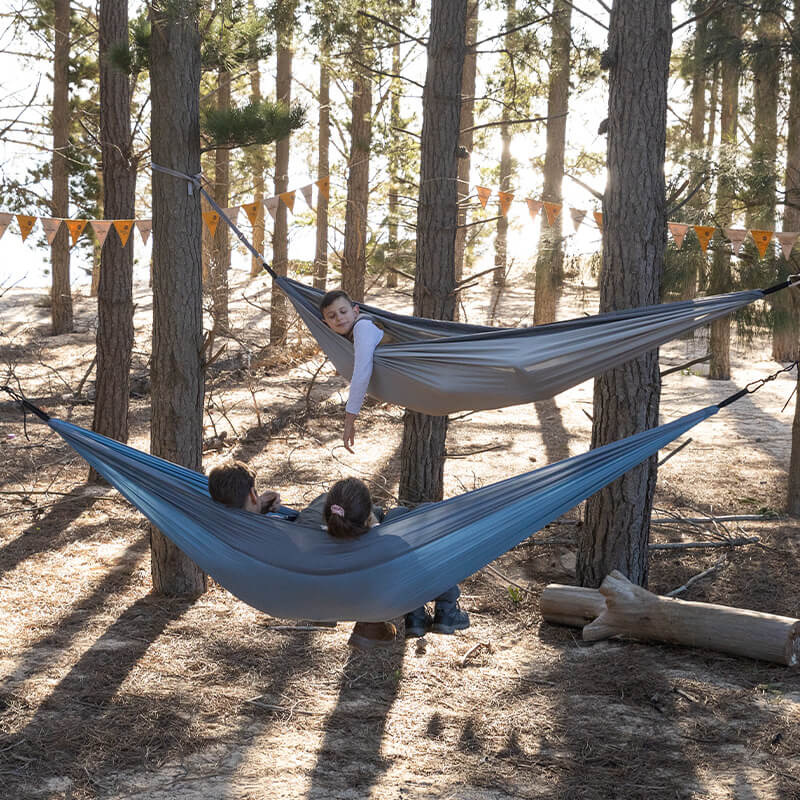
{"x": 259, "y": 167}
{"x": 115, "y": 288}
{"x": 501, "y": 235}
{"x": 354, "y": 253}
{"x": 220, "y": 255}
{"x": 394, "y": 168}
{"x": 61, "y": 300}
{"x": 423, "y": 448}
{"x": 323, "y": 170}
{"x": 791, "y": 222}
{"x": 280, "y": 238}
{"x": 634, "y": 220}
{"x": 466, "y": 135}
{"x": 550, "y": 260}
{"x": 697, "y": 128}
{"x": 176, "y": 372}
{"x": 720, "y": 273}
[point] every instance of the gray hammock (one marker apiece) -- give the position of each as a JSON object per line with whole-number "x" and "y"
{"x": 439, "y": 367}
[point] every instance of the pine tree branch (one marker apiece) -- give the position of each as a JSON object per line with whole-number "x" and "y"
{"x": 509, "y": 31}
{"x": 715, "y": 6}
{"x": 22, "y": 111}
{"x": 597, "y": 195}
{"x": 394, "y": 27}
{"x": 510, "y": 122}
{"x": 386, "y": 74}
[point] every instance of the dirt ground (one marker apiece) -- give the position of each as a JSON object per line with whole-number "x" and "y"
{"x": 108, "y": 691}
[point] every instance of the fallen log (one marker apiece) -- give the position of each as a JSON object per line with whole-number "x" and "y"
{"x": 620, "y": 607}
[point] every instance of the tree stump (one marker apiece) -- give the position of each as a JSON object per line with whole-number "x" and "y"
{"x": 623, "y": 608}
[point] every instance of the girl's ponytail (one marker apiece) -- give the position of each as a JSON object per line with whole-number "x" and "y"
{"x": 347, "y": 509}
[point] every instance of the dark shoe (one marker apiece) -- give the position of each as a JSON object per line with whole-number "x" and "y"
{"x": 454, "y": 619}
{"x": 367, "y": 635}
{"x": 418, "y": 624}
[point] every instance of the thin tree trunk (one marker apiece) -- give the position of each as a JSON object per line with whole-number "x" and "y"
{"x": 394, "y": 170}
{"x": 61, "y": 301}
{"x": 354, "y": 253}
{"x": 423, "y": 448}
{"x": 550, "y": 260}
{"x": 626, "y": 399}
{"x": 280, "y": 238}
{"x": 176, "y": 372}
{"x": 323, "y": 170}
{"x": 791, "y": 222}
{"x": 220, "y": 256}
{"x": 720, "y": 277}
{"x": 466, "y": 137}
{"x": 115, "y": 288}
{"x": 501, "y": 236}
{"x": 259, "y": 167}
{"x": 697, "y": 129}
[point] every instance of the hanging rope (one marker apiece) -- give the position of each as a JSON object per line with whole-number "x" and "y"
{"x": 755, "y": 385}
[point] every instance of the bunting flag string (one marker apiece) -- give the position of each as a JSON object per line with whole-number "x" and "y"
{"x": 552, "y": 210}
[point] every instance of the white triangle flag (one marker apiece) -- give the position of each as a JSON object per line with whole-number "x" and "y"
{"x": 145, "y": 226}
{"x": 737, "y": 237}
{"x": 272, "y": 205}
{"x": 787, "y": 240}
{"x": 4, "y": 220}
{"x": 101, "y": 227}
{"x": 308, "y": 194}
{"x": 50, "y": 227}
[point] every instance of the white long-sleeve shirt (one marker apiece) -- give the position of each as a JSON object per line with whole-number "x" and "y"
{"x": 366, "y": 337}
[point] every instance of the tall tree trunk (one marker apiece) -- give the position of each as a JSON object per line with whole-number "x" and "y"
{"x": 354, "y": 253}
{"x": 466, "y": 134}
{"x": 323, "y": 170}
{"x": 626, "y": 399}
{"x": 550, "y": 260}
{"x": 501, "y": 236}
{"x": 115, "y": 289}
{"x": 280, "y": 238}
{"x": 259, "y": 167}
{"x": 791, "y": 222}
{"x": 61, "y": 301}
{"x": 720, "y": 278}
{"x": 697, "y": 129}
{"x": 394, "y": 169}
{"x": 177, "y": 373}
{"x": 423, "y": 448}
{"x": 220, "y": 255}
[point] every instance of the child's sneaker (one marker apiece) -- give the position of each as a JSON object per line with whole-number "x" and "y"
{"x": 418, "y": 623}
{"x": 451, "y": 620}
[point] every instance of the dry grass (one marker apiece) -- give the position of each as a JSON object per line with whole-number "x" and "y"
{"x": 108, "y": 691}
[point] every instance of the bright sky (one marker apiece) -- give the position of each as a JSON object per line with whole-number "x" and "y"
{"x": 26, "y": 264}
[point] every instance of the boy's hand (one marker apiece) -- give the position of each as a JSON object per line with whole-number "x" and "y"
{"x": 349, "y": 435}
{"x": 270, "y": 501}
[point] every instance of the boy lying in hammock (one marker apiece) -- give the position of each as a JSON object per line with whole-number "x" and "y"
{"x": 348, "y": 512}
{"x": 343, "y": 316}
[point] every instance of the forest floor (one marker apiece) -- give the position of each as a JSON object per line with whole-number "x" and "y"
{"x": 109, "y": 691}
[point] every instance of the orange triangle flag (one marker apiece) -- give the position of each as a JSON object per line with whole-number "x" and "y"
{"x": 504, "y": 198}
{"x": 288, "y": 199}
{"x": 598, "y": 218}
{"x": 678, "y": 231}
{"x": 50, "y": 227}
{"x": 534, "y": 207}
{"x": 483, "y": 195}
{"x": 705, "y": 233}
{"x": 324, "y": 186}
{"x": 75, "y": 228}
{"x": 26, "y": 224}
{"x": 211, "y": 219}
{"x": 762, "y": 240}
{"x": 124, "y": 228}
{"x": 552, "y": 210}
{"x": 251, "y": 209}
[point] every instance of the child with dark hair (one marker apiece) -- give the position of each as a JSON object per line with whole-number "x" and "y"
{"x": 344, "y": 317}
{"x": 234, "y": 484}
{"x": 348, "y": 513}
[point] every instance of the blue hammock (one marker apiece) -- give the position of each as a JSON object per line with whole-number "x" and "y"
{"x": 290, "y": 570}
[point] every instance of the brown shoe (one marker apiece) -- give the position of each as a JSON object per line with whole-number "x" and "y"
{"x": 367, "y": 635}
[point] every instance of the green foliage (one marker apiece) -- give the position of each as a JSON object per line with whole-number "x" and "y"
{"x": 133, "y": 57}
{"x": 514, "y": 594}
{"x": 259, "y": 122}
